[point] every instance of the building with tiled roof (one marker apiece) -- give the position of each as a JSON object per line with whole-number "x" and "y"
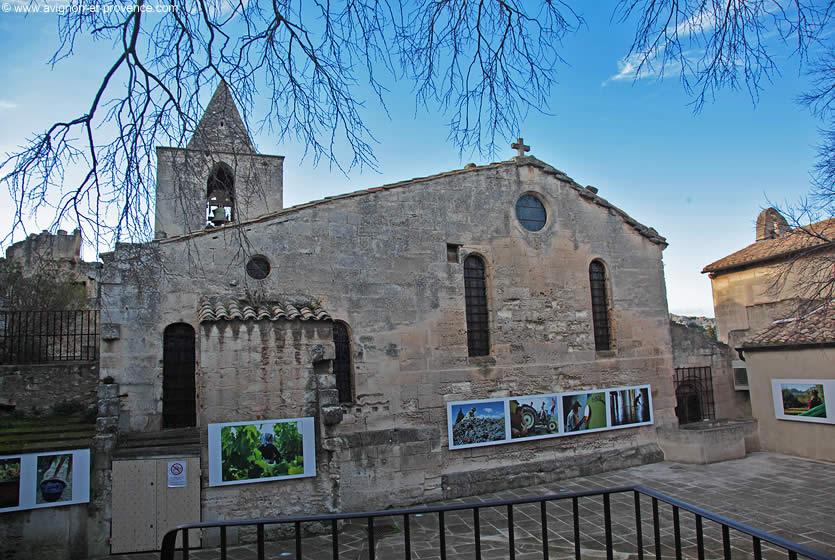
{"x": 766, "y": 280}
{"x": 784, "y": 337}
{"x": 372, "y": 313}
{"x": 814, "y": 329}
{"x": 793, "y": 243}
{"x": 789, "y": 364}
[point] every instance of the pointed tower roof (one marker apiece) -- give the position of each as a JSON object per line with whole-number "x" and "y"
{"x": 221, "y": 128}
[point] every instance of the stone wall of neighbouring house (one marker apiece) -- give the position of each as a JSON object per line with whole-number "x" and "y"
{"x": 380, "y": 263}
{"x": 692, "y": 347}
{"x": 37, "y": 389}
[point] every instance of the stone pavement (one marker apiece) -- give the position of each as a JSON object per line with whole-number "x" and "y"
{"x": 787, "y": 496}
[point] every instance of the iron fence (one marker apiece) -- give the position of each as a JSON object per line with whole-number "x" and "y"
{"x": 656, "y": 520}
{"x": 31, "y": 337}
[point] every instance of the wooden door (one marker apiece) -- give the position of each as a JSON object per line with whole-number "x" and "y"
{"x": 145, "y": 508}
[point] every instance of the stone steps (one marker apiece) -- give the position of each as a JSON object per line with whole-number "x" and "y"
{"x": 176, "y": 442}
{"x": 26, "y": 435}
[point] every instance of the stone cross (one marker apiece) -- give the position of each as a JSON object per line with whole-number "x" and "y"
{"x": 520, "y": 147}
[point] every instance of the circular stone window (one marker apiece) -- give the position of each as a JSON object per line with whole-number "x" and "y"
{"x": 530, "y": 212}
{"x": 258, "y": 267}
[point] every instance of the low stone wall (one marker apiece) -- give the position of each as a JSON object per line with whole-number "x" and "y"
{"x": 472, "y": 483}
{"x": 45, "y": 389}
{"x": 55, "y": 533}
{"x": 709, "y": 442}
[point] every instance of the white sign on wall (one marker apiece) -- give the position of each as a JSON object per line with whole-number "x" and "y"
{"x": 477, "y": 423}
{"x": 261, "y": 451}
{"x": 804, "y": 400}
{"x": 42, "y": 480}
{"x": 177, "y": 473}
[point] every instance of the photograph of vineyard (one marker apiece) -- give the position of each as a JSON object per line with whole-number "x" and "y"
{"x": 267, "y": 450}
{"x": 803, "y": 399}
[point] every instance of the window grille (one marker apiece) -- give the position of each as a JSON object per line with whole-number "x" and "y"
{"x": 600, "y": 306}
{"x": 342, "y": 362}
{"x": 475, "y": 299}
{"x": 530, "y": 212}
{"x": 694, "y": 394}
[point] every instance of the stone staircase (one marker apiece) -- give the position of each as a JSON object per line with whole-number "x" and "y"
{"x": 54, "y": 433}
{"x": 175, "y": 442}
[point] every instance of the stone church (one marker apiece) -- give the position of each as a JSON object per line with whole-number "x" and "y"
{"x": 370, "y": 312}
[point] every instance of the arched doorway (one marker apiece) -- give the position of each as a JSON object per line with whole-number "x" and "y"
{"x": 688, "y": 404}
{"x": 694, "y": 394}
{"x": 179, "y": 406}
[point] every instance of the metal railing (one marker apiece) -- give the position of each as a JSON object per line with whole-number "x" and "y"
{"x": 757, "y": 540}
{"x": 33, "y": 337}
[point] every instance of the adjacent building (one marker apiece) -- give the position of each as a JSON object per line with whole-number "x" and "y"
{"x": 773, "y": 306}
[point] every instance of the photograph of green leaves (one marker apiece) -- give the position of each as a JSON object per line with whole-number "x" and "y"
{"x": 261, "y": 450}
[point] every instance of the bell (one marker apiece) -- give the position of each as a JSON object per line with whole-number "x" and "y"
{"x": 219, "y": 216}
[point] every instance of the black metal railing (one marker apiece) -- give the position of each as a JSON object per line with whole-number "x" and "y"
{"x": 745, "y": 541}
{"x": 32, "y": 337}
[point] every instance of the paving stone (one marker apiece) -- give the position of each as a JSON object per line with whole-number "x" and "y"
{"x": 753, "y": 490}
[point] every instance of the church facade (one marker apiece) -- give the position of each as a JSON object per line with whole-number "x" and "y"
{"x": 370, "y": 313}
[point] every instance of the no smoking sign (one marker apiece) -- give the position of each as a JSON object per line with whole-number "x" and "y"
{"x": 176, "y": 474}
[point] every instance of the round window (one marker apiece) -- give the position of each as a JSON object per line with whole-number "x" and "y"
{"x": 530, "y": 212}
{"x": 258, "y": 267}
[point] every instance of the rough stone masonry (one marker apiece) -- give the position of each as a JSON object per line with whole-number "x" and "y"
{"x": 388, "y": 263}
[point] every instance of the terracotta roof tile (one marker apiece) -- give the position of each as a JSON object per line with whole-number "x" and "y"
{"x": 814, "y": 328}
{"x": 812, "y": 236}
{"x": 219, "y": 309}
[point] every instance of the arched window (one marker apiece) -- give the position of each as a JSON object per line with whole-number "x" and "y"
{"x": 475, "y": 301}
{"x": 179, "y": 403}
{"x": 220, "y": 195}
{"x": 600, "y": 306}
{"x": 342, "y": 367}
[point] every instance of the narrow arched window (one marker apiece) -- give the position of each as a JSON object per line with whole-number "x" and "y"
{"x": 342, "y": 367}
{"x": 475, "y": 301}
{"x": 600, "y": 306}
{"x": 220, "y": 195}
{"x": 179, "y": 402}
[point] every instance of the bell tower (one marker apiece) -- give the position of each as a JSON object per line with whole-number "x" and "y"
{"x": 218, "y": 178}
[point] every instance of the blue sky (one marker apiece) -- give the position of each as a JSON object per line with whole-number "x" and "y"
{"x": 483, "y": 409}
{"x": 700, "y": 180}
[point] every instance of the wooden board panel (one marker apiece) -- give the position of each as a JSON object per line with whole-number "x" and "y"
{"x": 134, "y": 506}
{"x": 176, "y": 506}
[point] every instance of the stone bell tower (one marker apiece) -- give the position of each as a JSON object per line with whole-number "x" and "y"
{"x": 218, "y": 178}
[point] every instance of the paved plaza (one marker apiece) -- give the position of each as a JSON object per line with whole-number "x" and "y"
{"x": 786, "y": 496}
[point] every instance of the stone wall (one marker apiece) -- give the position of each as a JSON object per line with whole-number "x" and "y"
{"x": 748, "y": 300}
{"x": 56, "y": 533}
{"x": 45, "y": 389}
{"x": 379, "y": 262}
{"x": 260, "y": 371}
{"x": 693, "y": 348}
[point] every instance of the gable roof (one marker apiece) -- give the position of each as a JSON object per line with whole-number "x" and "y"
{"x": 812, "y": 237}
{"x": 585, "y": 193}
{"x": 221, "y": 127}
{"x": 816, "y": 328}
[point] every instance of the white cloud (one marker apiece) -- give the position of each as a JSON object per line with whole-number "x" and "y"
{"x": 653, "y": 65}
{"x": 7, "y": 105}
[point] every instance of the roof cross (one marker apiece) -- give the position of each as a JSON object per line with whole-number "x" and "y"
{"x": 520, "y": 147}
